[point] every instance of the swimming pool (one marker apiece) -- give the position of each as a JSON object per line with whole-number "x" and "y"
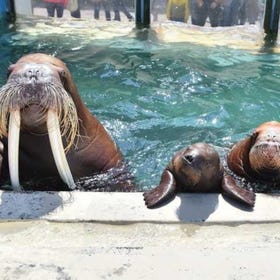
{"x": 155, "y": 94}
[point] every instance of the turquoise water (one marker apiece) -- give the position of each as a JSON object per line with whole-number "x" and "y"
{"x": 156, "y": 98}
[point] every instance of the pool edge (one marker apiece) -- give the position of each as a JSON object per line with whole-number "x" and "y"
{"x": 130, "y": 208}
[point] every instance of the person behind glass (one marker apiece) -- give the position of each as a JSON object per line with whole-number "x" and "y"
{"x": 97, "y": 6}
{"x": 231, "y": 12}
{"x": 178, "y": 10}
{"x": 248, "y": 10}
{"x": 201, "y": 9}
{"x": 118, "y": 5}
{"x": 77, "y": 12}
{"x": 55, "y": 6}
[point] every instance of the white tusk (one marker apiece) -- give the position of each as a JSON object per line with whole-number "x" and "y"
{"x": 13, "y": 147}
{"x": 58, "y": 150}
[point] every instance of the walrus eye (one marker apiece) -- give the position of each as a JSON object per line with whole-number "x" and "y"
{"x": 188, "y": 159}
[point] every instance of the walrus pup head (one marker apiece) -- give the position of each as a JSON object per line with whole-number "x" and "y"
{"x": 48, "y": 132}
{"x": 258, "y": 156}
{"x": 196, "y": 169}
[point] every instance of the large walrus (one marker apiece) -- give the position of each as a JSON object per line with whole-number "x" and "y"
{"x": 257, "y": 157}
{"x": 50, "y": 140}
{"x": 196, "y": 169}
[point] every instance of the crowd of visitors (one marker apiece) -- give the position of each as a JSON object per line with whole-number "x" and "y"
{"x": 219, "y": 12}
{"x": 56, "y": 8}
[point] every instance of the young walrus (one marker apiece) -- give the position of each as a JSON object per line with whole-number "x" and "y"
{"x": 196, "y": 169}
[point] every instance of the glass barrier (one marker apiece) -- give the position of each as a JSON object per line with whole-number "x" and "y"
{"x": 196, "y": 12}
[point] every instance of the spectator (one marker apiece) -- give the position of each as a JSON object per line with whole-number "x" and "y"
{"x": 252, "y": 10}
{"x": 74, "y": 7}
{"x": 155, "y": 8}
{"x": 55, "y": 6}
{"x": 231, "y": 12}
{"x": 97, "y": 6}
{"x": 118, "y": 5}
{"x": 178, "y": 10}
{"x": 201, "y": 9}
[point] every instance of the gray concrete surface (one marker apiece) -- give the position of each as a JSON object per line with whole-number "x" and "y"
{"x": 113, "y": 236}
{"x": 129, "y": 207}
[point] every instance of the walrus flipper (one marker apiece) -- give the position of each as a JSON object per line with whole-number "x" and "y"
{"x": 230, "y": 188}
{"x": 163, "y": 193}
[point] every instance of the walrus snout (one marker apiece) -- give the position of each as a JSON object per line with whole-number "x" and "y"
{"x": 35, "y": 73}
{"x": 265, "y": 156}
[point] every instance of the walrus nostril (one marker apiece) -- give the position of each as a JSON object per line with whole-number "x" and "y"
{"x": 32, "y": 74}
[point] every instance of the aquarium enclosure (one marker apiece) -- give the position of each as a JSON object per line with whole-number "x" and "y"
{"x": 197, "y": 12}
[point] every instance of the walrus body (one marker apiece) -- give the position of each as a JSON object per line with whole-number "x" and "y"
{"x": 41, "y": 106}
{"x": 257, "y": 157}
{"x": 196, "y": 169}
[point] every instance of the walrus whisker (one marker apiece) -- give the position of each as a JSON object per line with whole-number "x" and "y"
{"x": 51, "y": 96}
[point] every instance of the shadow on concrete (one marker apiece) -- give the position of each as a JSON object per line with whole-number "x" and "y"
{"x": 28, "y": 205}
{"x": 197, "y": 208}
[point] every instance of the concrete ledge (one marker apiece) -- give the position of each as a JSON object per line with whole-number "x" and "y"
{"x": 130, "y": 208}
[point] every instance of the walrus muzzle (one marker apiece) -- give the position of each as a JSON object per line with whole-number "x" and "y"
{"x": 264, "y": 157}
{"x": 38, "y": 92}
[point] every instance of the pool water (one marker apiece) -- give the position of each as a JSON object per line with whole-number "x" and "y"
{"x": 156, "y": 97}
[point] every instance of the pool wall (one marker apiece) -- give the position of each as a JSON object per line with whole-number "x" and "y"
{"x": 130, "y": 208}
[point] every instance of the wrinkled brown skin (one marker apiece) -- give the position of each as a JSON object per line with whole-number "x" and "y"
{"x": 257, "y": 157}
{"x": 196, "y": 169}
{"x": 94, "y": 152}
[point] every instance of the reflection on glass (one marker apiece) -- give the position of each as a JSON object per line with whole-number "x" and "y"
{"x": 87, "y": 9}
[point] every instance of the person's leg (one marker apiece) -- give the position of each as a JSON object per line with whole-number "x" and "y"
{"x": 96, "y": 8}
{"x": 59, "y": 10}
{"x": 214, "y": 14}
{"x": 124, "y": 10}
{"x": 77, "y": 13}
{"x": 199, "y": 13}
{"x": 235, "y": 11}
{"x": 106, "y": 6}
{"x": 116, "y": 9}
{"x": 50, "y": 9}
{"x": 227, "y": 14}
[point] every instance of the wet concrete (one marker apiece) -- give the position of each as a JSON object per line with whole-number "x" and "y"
{"x": 50, "y": 250}
{"x": 83, "y": 235}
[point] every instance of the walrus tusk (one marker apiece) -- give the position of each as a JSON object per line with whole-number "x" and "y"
{"x": 58, "y": 150}
{"x": 13, "y": 147}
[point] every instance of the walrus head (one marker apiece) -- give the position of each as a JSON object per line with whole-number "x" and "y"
{"x": 198, "y": 168}
{"x": 35, "y": 99}
{"x": 264, "y": 155}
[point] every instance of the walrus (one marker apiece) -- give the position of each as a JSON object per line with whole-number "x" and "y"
{"x": 196, "y": 168}
{"x": 257, "y": 157}
{"x": 49, "y": 139}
